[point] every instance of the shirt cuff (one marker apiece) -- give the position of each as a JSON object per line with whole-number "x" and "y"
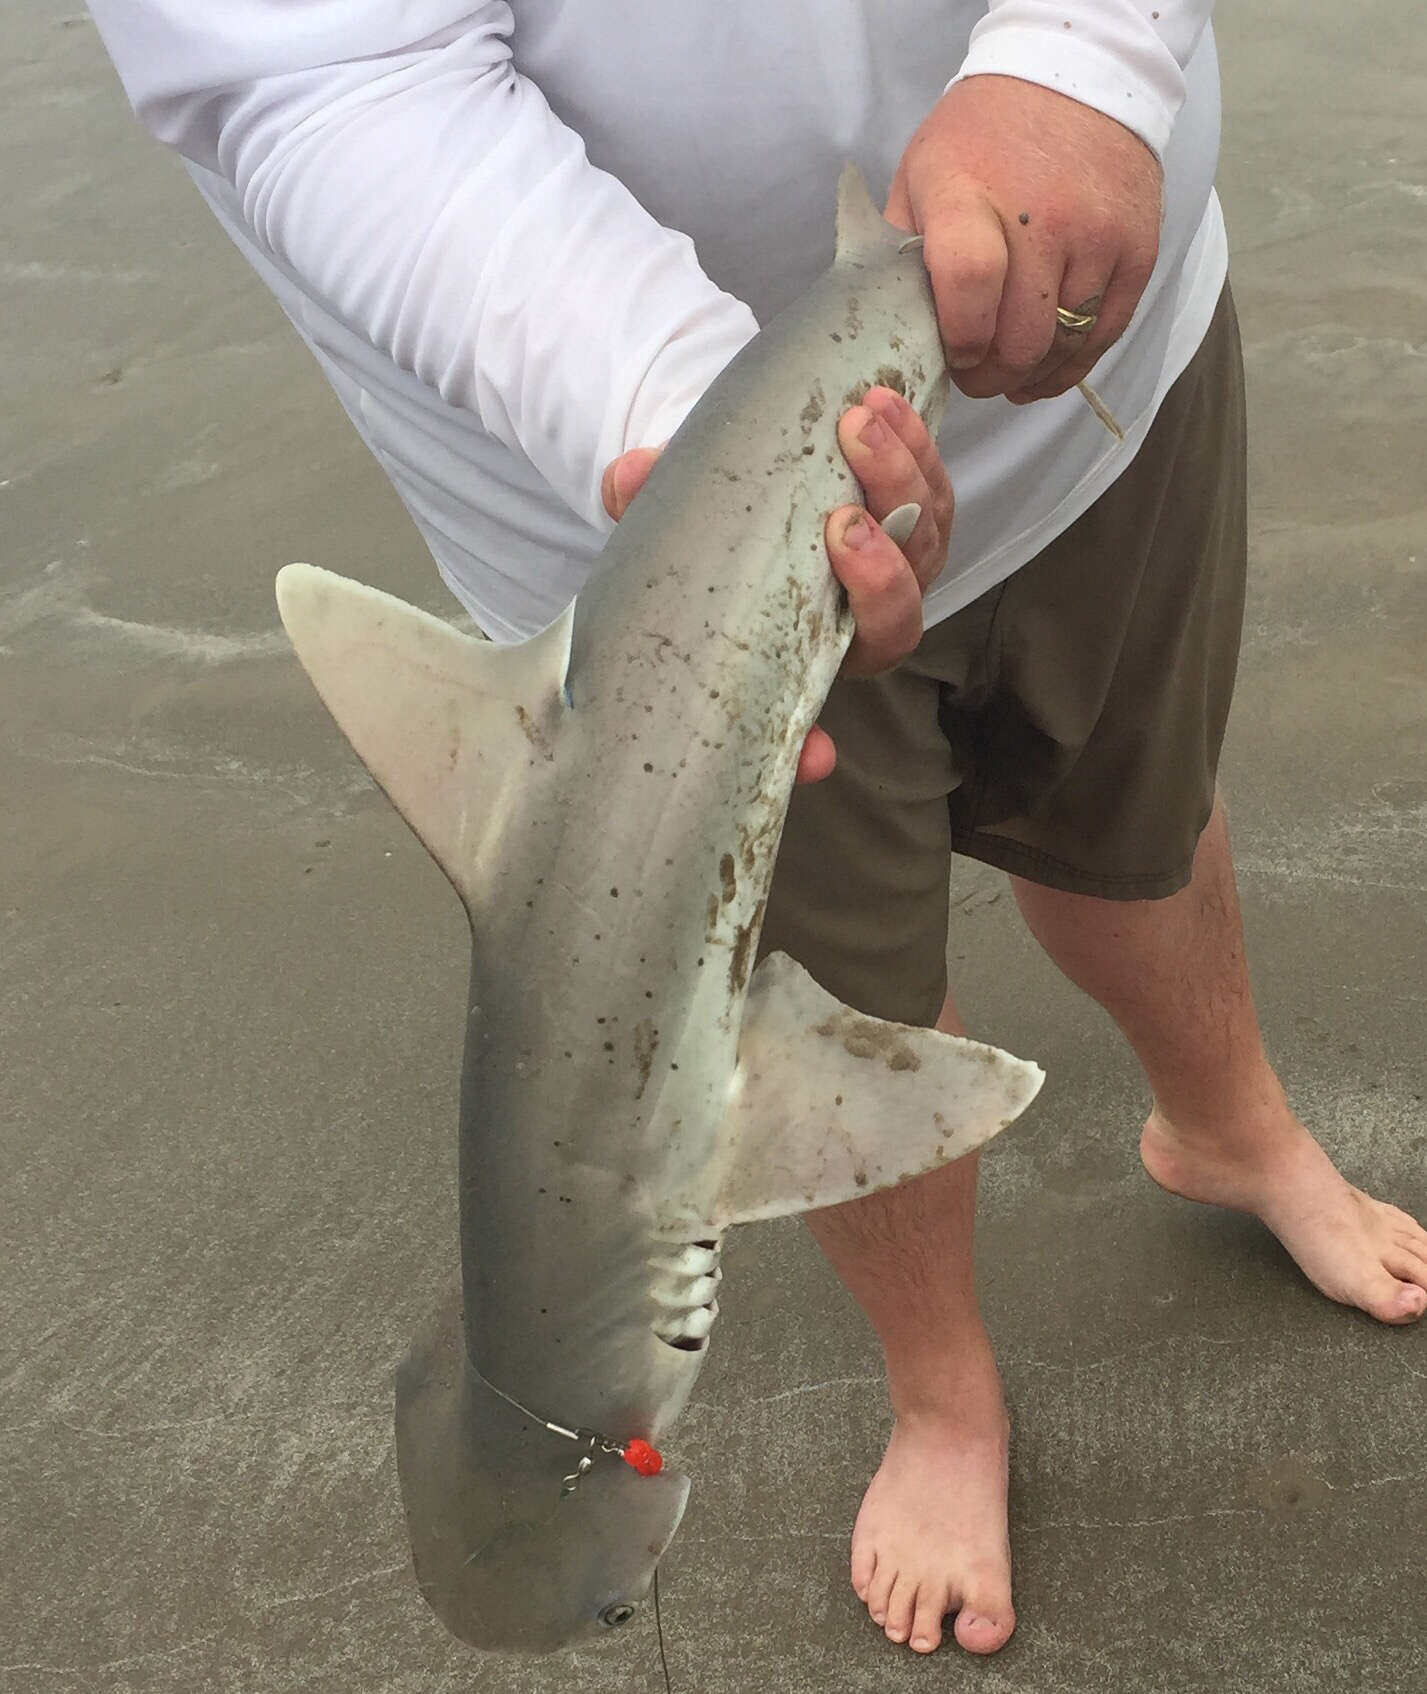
{"x": 1113, "y": 56}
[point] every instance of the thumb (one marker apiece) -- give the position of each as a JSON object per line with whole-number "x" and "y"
{"x": 624, "y": 477}
{"x": 899, "y": 203}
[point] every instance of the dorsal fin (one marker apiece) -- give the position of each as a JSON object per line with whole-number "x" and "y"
{"x": 447, "y": 723}
{"x": 829, "y": 1104}
{"x": 862, "y": 232}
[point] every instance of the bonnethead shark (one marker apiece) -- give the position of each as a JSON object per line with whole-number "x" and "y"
{"x": 607, "y": 799}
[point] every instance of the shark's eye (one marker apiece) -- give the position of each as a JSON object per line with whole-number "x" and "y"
{"x": 613, "y": 1616}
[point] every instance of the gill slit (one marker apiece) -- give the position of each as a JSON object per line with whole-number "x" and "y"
{"x": 684, "y": 1288}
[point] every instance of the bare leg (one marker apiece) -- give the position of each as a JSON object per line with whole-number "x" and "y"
{"x": 931, "y": 1536}
{"x": 1172, "y": 974}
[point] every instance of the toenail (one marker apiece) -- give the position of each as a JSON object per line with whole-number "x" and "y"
{"x": 921, "y": 1644}
{"x": 879, "y": 1617}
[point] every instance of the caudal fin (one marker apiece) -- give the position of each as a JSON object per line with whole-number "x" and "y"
{"x": 449, "y": 725}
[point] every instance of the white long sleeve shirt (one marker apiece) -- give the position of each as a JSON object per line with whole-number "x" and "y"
{"x": 522, "y": 239}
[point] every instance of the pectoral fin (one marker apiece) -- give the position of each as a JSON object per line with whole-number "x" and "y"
{"x": 448, "y": 724}
{"x": 828, "y": 1104}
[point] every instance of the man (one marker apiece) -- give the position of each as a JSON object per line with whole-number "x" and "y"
{"x": 514, "y": 329}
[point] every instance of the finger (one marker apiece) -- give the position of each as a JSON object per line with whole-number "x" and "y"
{"x": 624, "y": 477}
{"x": 817, "y": 758}
{"x": 1025, "y": 320}
{"x": 898, "y": 210}
{"x": 964, "y": 249}
{"x": 1081, "y": 293}
{"x": 883, "y": 593}
{"x": 938, "y": 503}
{"x": 891, "y": 475}
{"x": 1078, "y": 353}
{"x": 1121, "y": 295}
{"x": 909, "y": 426}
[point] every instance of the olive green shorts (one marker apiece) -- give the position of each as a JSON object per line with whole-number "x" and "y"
{"x": 1065, "y": 727}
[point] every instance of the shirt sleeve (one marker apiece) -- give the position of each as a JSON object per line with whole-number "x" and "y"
{"x": 1126, "y": 58}
{"x": 423, "y": 191}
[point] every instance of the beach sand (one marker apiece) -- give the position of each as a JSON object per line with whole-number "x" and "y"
{"x": 232, "y": 989}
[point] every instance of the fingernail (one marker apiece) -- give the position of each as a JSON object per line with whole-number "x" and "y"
{"x": 855, "y": 532}
{"x": 874, "y": 433}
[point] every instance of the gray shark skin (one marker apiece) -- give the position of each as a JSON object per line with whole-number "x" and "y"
{"x": 607, "y": 799}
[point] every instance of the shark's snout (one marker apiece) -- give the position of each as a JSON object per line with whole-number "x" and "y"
{"x": 507, "y": 1557}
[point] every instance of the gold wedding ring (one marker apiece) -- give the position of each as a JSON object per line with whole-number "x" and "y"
{"x": 1076, "y": 322}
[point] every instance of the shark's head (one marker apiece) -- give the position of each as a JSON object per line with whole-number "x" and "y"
{"x": 506, "y": 1559}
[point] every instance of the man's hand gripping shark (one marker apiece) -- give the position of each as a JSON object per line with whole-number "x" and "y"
{"x": 607, "y": 799}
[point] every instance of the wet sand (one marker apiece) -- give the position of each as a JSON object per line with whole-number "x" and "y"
{"x": 232, "y": 993}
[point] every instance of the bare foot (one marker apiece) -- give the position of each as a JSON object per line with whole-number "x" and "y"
{"x": 931, "y": 1538}
{"x": 1352, "y": 1248}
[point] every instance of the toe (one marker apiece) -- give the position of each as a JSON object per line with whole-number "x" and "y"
{"x": 1411, "y": 1303}
{"x": 932, "y": 1604}
{"x": 879, "y": 1591}
{"x": 901, "y": 1607}
{"x": 864, "y": 1566}
{"x": 979, "y": 1633}
{"x": 1392, "y": 1300}
{"x": 1407, "y": 1262}
{"x": 987, "y": 1617}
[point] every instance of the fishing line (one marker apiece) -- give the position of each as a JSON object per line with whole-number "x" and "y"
{"x": 636, "y": 1452}
{"x": 659, "y": 1630}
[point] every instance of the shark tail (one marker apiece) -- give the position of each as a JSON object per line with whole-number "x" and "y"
{"x": 452, "y": 757}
